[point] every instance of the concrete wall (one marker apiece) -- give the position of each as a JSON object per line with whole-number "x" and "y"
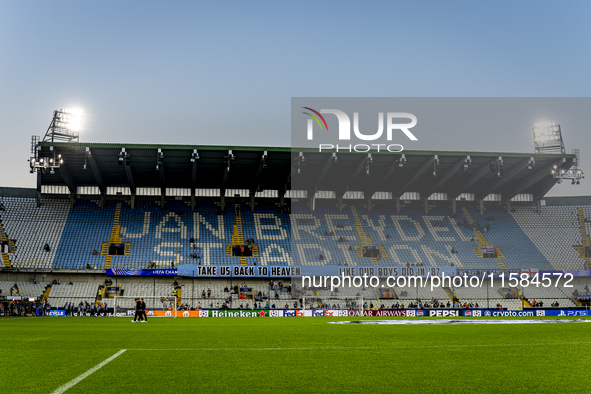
{"x": 567, "y": 201}
{"x": 19, "y": 192}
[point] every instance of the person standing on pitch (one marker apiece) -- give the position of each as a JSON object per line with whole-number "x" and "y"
{"x": 138, "y": 309}
{"x": 143, "y": 312}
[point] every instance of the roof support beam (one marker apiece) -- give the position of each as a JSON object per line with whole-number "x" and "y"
{"x": 395, "y": 164}
{"x": 325, "y": 169}
{"x": 129, "y": 174}
{"x": 160, "y": 168}
{"x": 68, "y": 179}
{"x": 545, "y": 188}
{"x": 193, "y": 177}
{"x": 505, "y": 177}
{"x": 424, "y": 167}
{"x": 532, "y": 179}
{"x": 549, "y": 183}
{"x": 472, "y": 179}
{"x": 362, "y": 164}
{"x": 38, "y": 189}
{"x": 96, "y": 171}
{"x": 226, "y": 175}
{"x": 292, "y": 171}
{"x": 162, "y": 181}
{"x": 194, "y": 160}
{"x": 445, "y": 177}
{"x": 262, "y": 165}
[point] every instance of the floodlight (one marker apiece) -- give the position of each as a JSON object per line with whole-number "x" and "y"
{"x": 548, "y": 137}
{"x": 65, "y": 125}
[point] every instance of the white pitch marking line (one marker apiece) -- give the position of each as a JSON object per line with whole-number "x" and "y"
{"x": 366, "y": 347}
{"x": 89, "y": 372}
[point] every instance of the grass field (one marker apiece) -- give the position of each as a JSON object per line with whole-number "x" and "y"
{"x": 284, "y": 355}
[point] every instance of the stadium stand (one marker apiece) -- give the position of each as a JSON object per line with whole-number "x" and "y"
{"x": 23, "y": 289}
{"x": 73, "y": 293}
{"x": 118, "y": 226}
{"x": 34, "y": 227}
{"x": 411, "y": 237}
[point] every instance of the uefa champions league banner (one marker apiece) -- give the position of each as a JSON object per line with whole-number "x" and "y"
{"x": 141, "y": 272}
{"x": 240, "y": 271}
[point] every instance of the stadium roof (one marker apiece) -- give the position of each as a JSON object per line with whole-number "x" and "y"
{"x": 99, "y": 164}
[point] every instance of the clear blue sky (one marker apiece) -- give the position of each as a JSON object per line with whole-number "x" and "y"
{"x": 215, "y": 72}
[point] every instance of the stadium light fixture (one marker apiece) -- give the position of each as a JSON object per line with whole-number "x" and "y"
{"x": 65, "y": 126}
{"x": 299, "y": 162}
{"x": 548, "y": 138}
{"x": 435, "y": 164}
{"x": 368, "y": 162}
{"x": 122, "y": 156}
{"x": 575, "y": 173}
{"x": 49, "y": 161}
{"x": 159, "y": 159}
{"x": 402, "y": 161}
{"x": 229, "y": 160}
{"x": 467, "y": 162}
{"x": 531, "y": 163}
{"x": 264, "y": 160}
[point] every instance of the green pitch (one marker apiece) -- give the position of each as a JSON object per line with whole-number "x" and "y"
{"x": 288, "y": 355}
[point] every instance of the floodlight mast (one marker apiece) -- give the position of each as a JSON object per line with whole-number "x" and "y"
{"x": 548, "y": 138}
{"x": 64, "y": 127}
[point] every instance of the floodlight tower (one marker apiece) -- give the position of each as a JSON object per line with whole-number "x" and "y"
{"x": 65, "y": 126}
{"x": 548, "y": 138}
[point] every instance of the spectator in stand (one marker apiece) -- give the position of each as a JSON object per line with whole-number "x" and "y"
{"x": 46, "y": 247}
{"x": 208, "y": 293}
{"x": 2, "y": 208}
{"x": 35, "y": 279}
{"x": 95, "y": 252}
